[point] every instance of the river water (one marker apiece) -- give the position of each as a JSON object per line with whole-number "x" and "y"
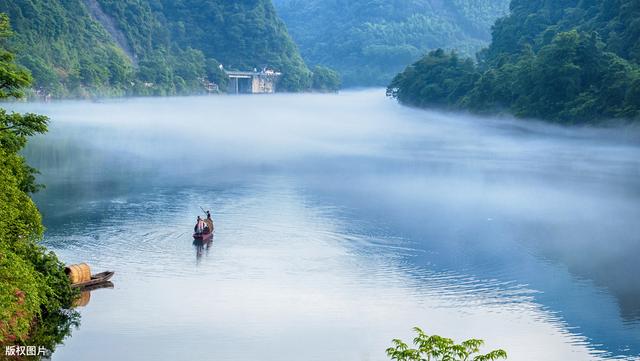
{"x": 342, "y": 221}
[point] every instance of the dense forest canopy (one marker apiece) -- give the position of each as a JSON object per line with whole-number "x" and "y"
{"x": 567, "y": 61}
{"x": 369, "y": 41}
{"x": 242, "y": 34}
{"x": 65, "y": 50}
{"x": 156, "y": 47}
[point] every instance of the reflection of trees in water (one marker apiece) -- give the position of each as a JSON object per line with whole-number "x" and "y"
{"x": 51, "y": 331}
{"x": 54, "y": 328}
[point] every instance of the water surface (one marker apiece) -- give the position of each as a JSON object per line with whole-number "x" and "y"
{"x": 342, "y": 221}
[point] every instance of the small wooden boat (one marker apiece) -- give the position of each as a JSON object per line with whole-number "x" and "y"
{"x": 203, "y": 236}
{"x": 96, "y": 279}
{"x": 106, "y": 284}
{"x": 208, "y": 235}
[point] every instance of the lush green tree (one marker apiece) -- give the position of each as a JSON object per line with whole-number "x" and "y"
{"x": 325, "y": 79}
{"x": 33, "y": 284}
{"x": 68, "y": 52}
{"x": 216, "y": 74}
{"x": 437, "y": 348}
{"x": 13, "y": 78}
{"x": 440, "y": 79}
{"x": 533, "y": 69}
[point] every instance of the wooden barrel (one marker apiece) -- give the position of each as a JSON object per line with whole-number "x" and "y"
{"x": 78, "y": 273}
{"x": 83, "y": 299}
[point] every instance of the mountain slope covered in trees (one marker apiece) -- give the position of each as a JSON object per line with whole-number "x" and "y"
{"x": 369, "y": 41}
{"x": 567, "y": 61}
{"x": 65, "y": 50}
{"x": 85, "y": 47}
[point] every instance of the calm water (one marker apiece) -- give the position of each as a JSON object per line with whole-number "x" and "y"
{"x": 342, "y": 221}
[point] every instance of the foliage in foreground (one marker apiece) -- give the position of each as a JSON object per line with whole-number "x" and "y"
{"x": 33, "y": 285}
{"x": 559, "y": 61}
{"x": 437, "y": 348}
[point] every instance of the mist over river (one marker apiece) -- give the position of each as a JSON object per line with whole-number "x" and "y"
{"x": 342, "y": 221}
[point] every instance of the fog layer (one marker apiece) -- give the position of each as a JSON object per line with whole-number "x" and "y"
{"x": 547, "y": 211}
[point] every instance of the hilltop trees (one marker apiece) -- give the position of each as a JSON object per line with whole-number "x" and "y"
{"x": 325, "y": 79}
{"x": 369, "y": 41}
{"x": 552, "y": 66}
{"x": 440, "y": 80}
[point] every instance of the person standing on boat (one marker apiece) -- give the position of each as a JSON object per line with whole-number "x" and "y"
{"x": 199, "y": 226}
{"x": 209, "y": 221}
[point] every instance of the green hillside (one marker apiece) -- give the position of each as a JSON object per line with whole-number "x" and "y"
{"x": 570, "y": 61}
{"x": 242, "y": 34}
{"x": 155, "y": 47}
{"x": 66, "y": 51}
{"x": 369, "y": 41}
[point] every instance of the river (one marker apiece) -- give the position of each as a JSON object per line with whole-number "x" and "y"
{"x": 342, "y": 221}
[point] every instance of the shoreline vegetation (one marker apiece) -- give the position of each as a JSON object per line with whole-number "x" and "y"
{"x": 573, "y": 63}
{"x": 35, "y": 293}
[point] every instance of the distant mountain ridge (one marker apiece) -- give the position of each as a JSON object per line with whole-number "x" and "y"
{"x": 155, "y": 47}
{"x": 369, "y": 41}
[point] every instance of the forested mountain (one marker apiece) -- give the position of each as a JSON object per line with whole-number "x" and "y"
{"x": 569, "y": 61}
{"x": 66, "y": 51}
{"x": 369, "y": 41}
{"x": 83, "y": 47}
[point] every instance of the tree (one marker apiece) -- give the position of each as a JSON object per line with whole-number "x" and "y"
{"x": 570, "y": 80}
{"x": 437, "y": 348}
{"x": 33, "y": 285}
{"x": 14, "y": 127}
{"x": 440, "y": 79}
{"x": 13, "y": 78}
{"x": 325, "y": 79}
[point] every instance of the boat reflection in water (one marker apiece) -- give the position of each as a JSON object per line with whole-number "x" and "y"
{"x": 202, "y": 247}
{"x": 85, "y": 296}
